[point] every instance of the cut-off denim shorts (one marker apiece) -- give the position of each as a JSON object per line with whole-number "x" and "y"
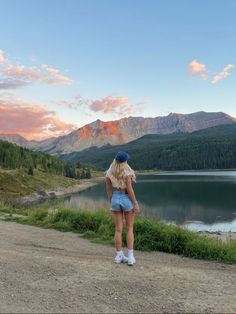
{"x": 121, "y": 201}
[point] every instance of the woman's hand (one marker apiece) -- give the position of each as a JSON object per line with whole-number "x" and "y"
{"x": 109, "y": 188}
{"x": 136, "y": 209}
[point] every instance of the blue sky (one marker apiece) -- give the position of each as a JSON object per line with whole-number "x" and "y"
{"x": 119, "y": 58}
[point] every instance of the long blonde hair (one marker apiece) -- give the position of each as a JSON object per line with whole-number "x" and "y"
{"x": 118, "y": 171}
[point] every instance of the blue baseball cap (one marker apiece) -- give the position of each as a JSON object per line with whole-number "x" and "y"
{"x": 122, "y": 156}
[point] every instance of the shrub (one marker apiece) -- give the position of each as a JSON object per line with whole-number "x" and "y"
{"x": 38, "y": 216}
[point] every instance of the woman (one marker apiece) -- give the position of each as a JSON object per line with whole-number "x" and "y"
{"x": 119, "y": 179}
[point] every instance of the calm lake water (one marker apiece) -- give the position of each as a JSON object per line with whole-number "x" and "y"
{"x": 195, "y": 200}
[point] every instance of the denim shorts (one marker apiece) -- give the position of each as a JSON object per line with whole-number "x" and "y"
{"x": 121, "y": 201}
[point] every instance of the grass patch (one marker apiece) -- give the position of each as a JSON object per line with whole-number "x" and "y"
{"x": 150, "y": 235}
{"x": 14, "y": 183}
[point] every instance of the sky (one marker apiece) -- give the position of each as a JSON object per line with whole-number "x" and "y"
{"x": 66, "y": 63}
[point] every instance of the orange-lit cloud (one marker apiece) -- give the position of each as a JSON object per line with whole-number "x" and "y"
{"x": 117, "y": 106}
{"x": 44, "y": 74}
{"x": 196, "y": 68}
{"x": 109, "y": 104}
{"x": 223, "y": 74}
{"x": 31, "y": 120}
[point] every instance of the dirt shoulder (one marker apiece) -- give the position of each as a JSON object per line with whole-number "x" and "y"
{"x": 47, "y": 271}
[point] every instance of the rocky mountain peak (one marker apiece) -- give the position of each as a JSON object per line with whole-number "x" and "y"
{"x": 99, "y": 133}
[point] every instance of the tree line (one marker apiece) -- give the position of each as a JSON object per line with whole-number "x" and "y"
{"x": 213, "y": 148}
{"x": 189, "y": 154}
{"x": 15, "y": 157}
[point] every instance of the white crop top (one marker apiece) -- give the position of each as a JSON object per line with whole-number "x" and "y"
{"x": 115, "y": 182}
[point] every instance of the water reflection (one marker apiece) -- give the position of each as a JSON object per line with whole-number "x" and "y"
{"x": 200, "y": 201}
{"x": 229, "y": 226}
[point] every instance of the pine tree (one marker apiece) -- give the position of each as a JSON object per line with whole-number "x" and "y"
{"x": 31, "y": 171}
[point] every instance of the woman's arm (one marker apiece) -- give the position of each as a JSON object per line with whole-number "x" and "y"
{"x": 131, "y": 193}
{"x": 109, "y": 188}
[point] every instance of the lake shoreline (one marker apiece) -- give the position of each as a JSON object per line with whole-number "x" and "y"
{"x": 160, "y": 171}
{"x": 224, "y": 237}
{"x": 61, "y": 192}
{"x": 56, "y": 193}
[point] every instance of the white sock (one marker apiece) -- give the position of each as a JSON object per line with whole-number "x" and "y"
{"x": 130, "y": 253}
{"x": 119, "y": 252}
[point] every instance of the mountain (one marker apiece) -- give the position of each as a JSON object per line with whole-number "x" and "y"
{"x": 100, "y": 133}
{"x": 211, "y": 148}
{"x": 15, "y": 139}
{"x": 23, "y": 142}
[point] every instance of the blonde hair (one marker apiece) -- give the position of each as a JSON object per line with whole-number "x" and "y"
{"x": 118, "y": 171}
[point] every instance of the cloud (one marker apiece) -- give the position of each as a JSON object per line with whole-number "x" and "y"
{"x": 133, "y": 109}
{"x": 118, "y": 106}
{"x": 55, "y": 76}
{"x": 31, "y": 120}
{"x": 219, "y": 76}
{"x": 196, "y": 68}
{"x": 43, "y": 74}
{"x": 2, "y": 58}
{"x": 109, "y": 104}
{"x": 73, "y": 103}
{"x": 11, "y": 84}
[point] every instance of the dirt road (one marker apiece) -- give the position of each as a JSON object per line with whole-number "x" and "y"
{"x": 46, "y": 271}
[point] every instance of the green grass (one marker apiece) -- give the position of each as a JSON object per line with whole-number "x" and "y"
{"x": 14, "y": 183}
{"x": 150, "y": 235}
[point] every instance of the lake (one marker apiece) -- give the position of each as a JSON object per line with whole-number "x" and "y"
{"x": 195, "y": 200}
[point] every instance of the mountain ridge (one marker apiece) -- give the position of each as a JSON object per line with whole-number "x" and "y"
{"x": 212, "y": 148}
{"x": 116, "y": 132}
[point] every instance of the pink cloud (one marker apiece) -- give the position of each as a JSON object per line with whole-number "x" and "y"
{"x": 223, "y": 74}
{"x": 44, "y": 74}
{"x": 118, "y": 106}
{"x": 2, "y": 58}
{"x": 196, "y": 68}
{"x": 109, "y": 104}
{"x": 33, "y": 74}
{"x": 31, "y": 120}
{"x": 55, "y": 76}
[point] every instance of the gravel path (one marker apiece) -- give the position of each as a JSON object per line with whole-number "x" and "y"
{"x": 47, "y": 271}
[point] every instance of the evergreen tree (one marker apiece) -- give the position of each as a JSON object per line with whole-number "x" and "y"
{"x": 30, "y": 171}
{"x": 88, "y": 173}
{"x": 15, "y": 157}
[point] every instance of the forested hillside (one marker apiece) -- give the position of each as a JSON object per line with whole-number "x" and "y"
{"x": 213, "y": 148}
{"x": 15, "y": 157}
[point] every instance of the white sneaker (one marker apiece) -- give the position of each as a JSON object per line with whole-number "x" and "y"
{"x": 121, "y": 258}
{"x": 131, "y": 260}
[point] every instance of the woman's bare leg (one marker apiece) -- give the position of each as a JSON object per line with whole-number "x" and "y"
{"x": 118, "y": 217}
{"x": 129, "y": 220}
